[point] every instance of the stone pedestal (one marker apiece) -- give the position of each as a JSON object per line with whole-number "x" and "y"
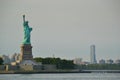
{"x": 26, "y": 61}
{"x": 26, "y": 52}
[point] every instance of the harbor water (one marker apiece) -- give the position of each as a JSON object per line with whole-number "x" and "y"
{"x": 62, "y": 76}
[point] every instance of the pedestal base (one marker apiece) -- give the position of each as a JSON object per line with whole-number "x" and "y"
{"x": 26, "y": 52}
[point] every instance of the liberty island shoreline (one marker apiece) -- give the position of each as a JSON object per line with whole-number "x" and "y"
{"x": 59, "y": 71}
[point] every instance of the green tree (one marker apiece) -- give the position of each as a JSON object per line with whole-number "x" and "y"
{"x": 1, "y": 61}
{"x": 38, "y": 59}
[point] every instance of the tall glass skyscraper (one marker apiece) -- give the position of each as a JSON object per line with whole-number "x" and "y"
{"x": 92, "y": 55}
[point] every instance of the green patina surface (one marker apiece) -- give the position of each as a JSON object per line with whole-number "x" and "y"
{"x": 27, "y": 31}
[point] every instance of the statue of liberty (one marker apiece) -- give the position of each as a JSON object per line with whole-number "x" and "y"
{"x": 27, "y": 31}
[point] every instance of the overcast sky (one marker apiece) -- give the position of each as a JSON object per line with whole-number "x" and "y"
{"x": 65, "y": 28}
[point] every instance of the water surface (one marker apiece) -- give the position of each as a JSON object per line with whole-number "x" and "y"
{"x": 65, "y": 76}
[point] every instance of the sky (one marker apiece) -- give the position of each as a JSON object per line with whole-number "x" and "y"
{"x": 63, "y": 28}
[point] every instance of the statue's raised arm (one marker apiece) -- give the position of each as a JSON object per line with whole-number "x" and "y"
{"x": 23, "y": 18}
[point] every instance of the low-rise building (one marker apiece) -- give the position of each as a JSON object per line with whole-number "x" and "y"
{"x": 102, "y": 61}
{"x": 117, "y": 61}
{"x": 110, "y": 61}
{"x": 6, "y": 59}
{"x": 13, "y": 57}
{"x": 78, "y": 61}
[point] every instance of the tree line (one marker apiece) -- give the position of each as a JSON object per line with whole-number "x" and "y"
{"x": 60, "y": 63}
{"x": 68, "y": 64}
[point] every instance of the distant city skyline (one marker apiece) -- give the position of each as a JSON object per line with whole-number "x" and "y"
{"x": 65, "y": 28}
